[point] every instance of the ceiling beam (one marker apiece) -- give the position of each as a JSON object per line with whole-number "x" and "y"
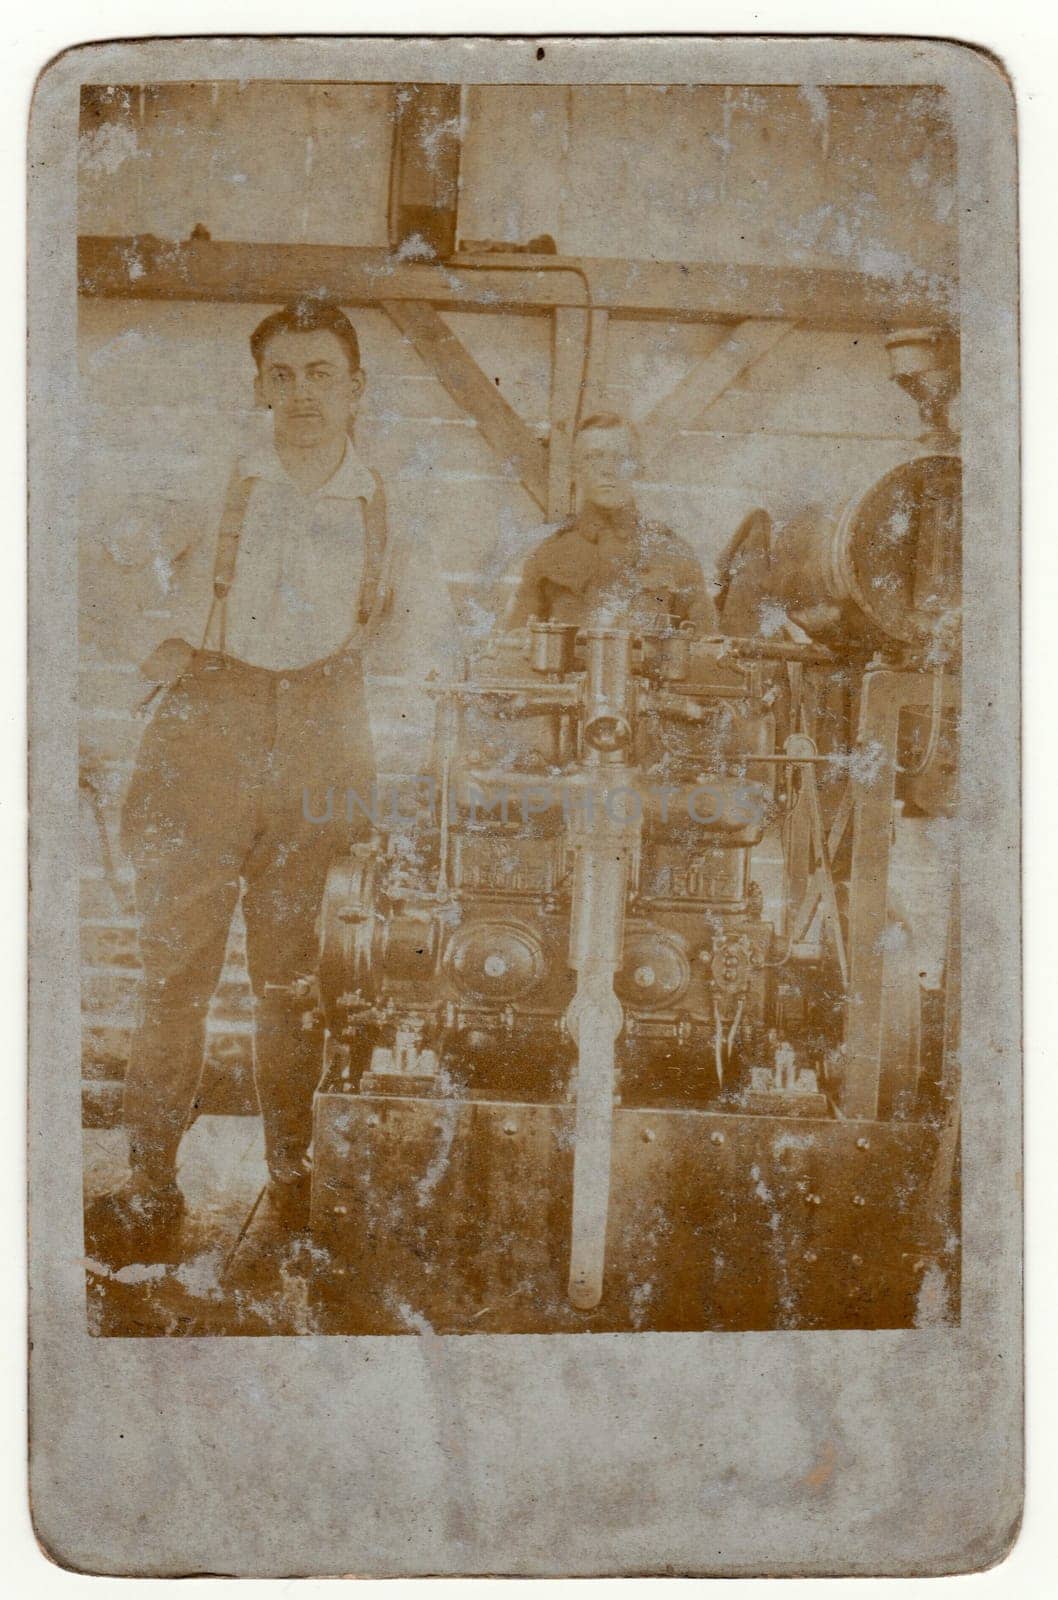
{"x": 424, "y": 171}
{"x": 142, "y": 267}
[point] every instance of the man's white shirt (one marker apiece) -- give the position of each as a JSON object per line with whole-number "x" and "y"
{"x": 296, "y": 589}
{"x": 300, "y": 563}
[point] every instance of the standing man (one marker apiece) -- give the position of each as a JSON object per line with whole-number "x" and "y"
{"x": 268, "y": 709}
{"x": 607, "y": 565}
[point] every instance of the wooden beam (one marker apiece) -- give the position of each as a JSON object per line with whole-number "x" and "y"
{"x": 885, "y": 693}
{"x": 597, "y": 357}
{"x": 568, "y": 330}
{"x": 707, "y": 380}
{"x": 424, "y": 176}
{"x": 517, "y": 447}
{"x": 141, "y": 267}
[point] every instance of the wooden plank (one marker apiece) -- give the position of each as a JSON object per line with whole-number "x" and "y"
{"x": 567, "y": 352}
{"x": 568, "y": 406}
{"x": 145, "y": 268}
{"x": 424, "y": 178}
{"x": 464, "y": 380}
{"x": 597, "y": 361}
{"x": 708, "y": 379}
{"x": 885, "y": 694}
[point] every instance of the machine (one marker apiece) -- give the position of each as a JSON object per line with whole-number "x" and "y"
{"x": 625, "y": 1027}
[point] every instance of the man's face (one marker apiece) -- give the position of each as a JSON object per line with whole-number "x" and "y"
{"x": 307, "y": 385}
{"x": 604, "y": 466}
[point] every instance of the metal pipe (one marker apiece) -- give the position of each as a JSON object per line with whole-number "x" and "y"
{"x": 595, "y": 1013}
{"x": 594, "y": 1018}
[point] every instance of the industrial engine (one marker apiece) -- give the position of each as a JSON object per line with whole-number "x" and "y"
{"x": 619, "y": 1033}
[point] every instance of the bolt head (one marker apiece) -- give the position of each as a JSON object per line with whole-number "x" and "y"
{"x": 858, "y": 1200}
{"x": 863, "y": 1144}
{"x": 717, "y": 1137}
{"x": 510, "y": 1127}
{"x": 649, "y": 1136}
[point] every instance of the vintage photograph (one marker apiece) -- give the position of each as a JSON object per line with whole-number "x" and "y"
{"x": 520, "y": 574}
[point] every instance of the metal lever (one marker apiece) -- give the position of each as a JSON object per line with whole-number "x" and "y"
{"x": 594, "y": 1019}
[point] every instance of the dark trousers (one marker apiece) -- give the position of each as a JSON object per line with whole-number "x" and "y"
{"x": 232, "y": 767}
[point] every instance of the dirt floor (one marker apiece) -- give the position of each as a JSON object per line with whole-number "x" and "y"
{"x": 227, "y": 1269}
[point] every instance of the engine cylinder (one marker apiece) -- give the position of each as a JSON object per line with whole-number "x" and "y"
{"x": 495, "y": 960}
{"x": 885, "y": 567}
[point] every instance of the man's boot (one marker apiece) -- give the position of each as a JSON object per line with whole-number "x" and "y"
{"x": 288, "y": 1063}
{"x": 138, "y": 1220}
{"x": 288, "y": 1202}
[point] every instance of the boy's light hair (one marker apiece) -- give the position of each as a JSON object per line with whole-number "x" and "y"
{"x": 608, "y": 422}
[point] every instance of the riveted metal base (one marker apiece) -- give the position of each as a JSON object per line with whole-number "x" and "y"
{"x": 455, "y": 1214}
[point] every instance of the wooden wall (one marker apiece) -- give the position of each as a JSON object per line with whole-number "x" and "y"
{"x": 853, "y": 176}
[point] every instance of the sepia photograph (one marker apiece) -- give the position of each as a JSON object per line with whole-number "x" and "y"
{"x": 524, "y": 716}
{"x": 519, "y": 644}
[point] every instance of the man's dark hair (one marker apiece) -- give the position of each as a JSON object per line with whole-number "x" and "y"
{"x": 307, "y": 315}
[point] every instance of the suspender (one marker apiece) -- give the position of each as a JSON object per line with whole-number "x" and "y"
{"x": 374, "y": 599}
{"x": 236, "y": 499}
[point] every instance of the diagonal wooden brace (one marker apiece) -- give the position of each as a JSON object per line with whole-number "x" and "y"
{"x": 518, "y": 448}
